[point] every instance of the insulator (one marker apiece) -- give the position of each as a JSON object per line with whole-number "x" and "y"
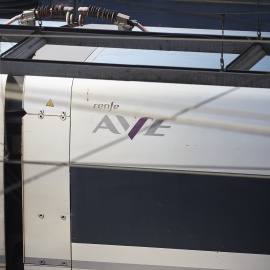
{"x": 70, "y": 18}
{"x": 50, "y": 11}
{"x": 106, "y": 14}
{"x": 109, "y": 15}
{"x": 81, "y": 19}
{"x": 58, "y": 11}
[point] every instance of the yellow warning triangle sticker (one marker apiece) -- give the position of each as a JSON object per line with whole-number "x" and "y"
{"x": 50, "y": 103}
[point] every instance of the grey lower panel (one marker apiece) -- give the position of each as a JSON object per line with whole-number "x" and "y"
{"x": 2, "y": 259}
{"x": 171, "y": 211}
{"x": 48, "y": 262}
{"x": 125, "y": 266}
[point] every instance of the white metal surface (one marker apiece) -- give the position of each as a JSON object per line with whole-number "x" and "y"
{"x": 158, "y": 58}
{"x": 228, "y": 133}
{"x": 64, "y": 53}
{"x": 42, "y": 267}
{"x": 46, "y": 190}
{"x": 39, "y": 91}
{"x": 2, "y": 218}
{"x": 123, "y": 257}
{"x": 205, "y": 128}
{"x": 167, "y": 58}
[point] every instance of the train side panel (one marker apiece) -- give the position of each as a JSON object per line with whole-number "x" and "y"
{"x": 46, "y": 207}
{"x": 165, "y": 176}
{"x": 138, "y": 175}
{"x": 2, "y": 211}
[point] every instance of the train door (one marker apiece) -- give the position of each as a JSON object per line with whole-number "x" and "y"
{"x": 46, "y": 209}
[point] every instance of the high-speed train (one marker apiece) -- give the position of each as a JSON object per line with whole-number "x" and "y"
{"x": 112, "y": 174}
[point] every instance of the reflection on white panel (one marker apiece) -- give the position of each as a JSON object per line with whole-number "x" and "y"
{"x": 2, "y": 227}
{"x": 4, "y": 46}
{"x": 263, "y": 65}
{"x": 124, "y": 257}
{"x": 42, "y": 267}
{"x": 171, "y": 126}
{"x": 64, "y": 53}
{"x": 46, "y": 190}
{"x": 159, "y": 58}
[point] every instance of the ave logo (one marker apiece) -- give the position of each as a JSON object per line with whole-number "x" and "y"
{"x": 153, "y": 130}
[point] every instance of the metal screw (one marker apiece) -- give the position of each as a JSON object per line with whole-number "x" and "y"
{"x": 41, "y": 114}
{"x": 41, "y": 216}
{"x": 64, "y": 263}
{"x": 41, "y": 262}
{"x": 63, "y": 116}
{"x": 63, "y": 217}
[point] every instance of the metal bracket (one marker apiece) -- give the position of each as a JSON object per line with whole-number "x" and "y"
{"x": 122, "y": 21}
{"x": 27, "y": 15}
{"x": 124, "y": 27}
{"x": 247, "y": 59}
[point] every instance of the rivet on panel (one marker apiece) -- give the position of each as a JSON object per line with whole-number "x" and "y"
{"x": 41, "y": 114}
{"x": 41, "y": 216}
{"x": 41, "y": 262}
{"x": 63, "y": 217}
{"x": 63, "y": 116}
{"x": 64, "y": 263}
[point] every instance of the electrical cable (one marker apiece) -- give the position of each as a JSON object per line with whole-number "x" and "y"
{"x": 16, "y": 18}
{"x": 221, "y": 58}
{"x": 258, "y": 20}
{"x": 142, "y": 27}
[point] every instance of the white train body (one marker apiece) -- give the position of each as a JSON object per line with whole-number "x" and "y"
{"x": 122, "y": 132}
{"x": 2, "y": 219}
{"x": 142, "y": 175}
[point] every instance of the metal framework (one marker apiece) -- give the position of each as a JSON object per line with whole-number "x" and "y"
{"x": 247, "y": 59}
{"x": 17, "y": 67}
{"x": 14, "y": 61}
{"x": 134, "y": 40}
